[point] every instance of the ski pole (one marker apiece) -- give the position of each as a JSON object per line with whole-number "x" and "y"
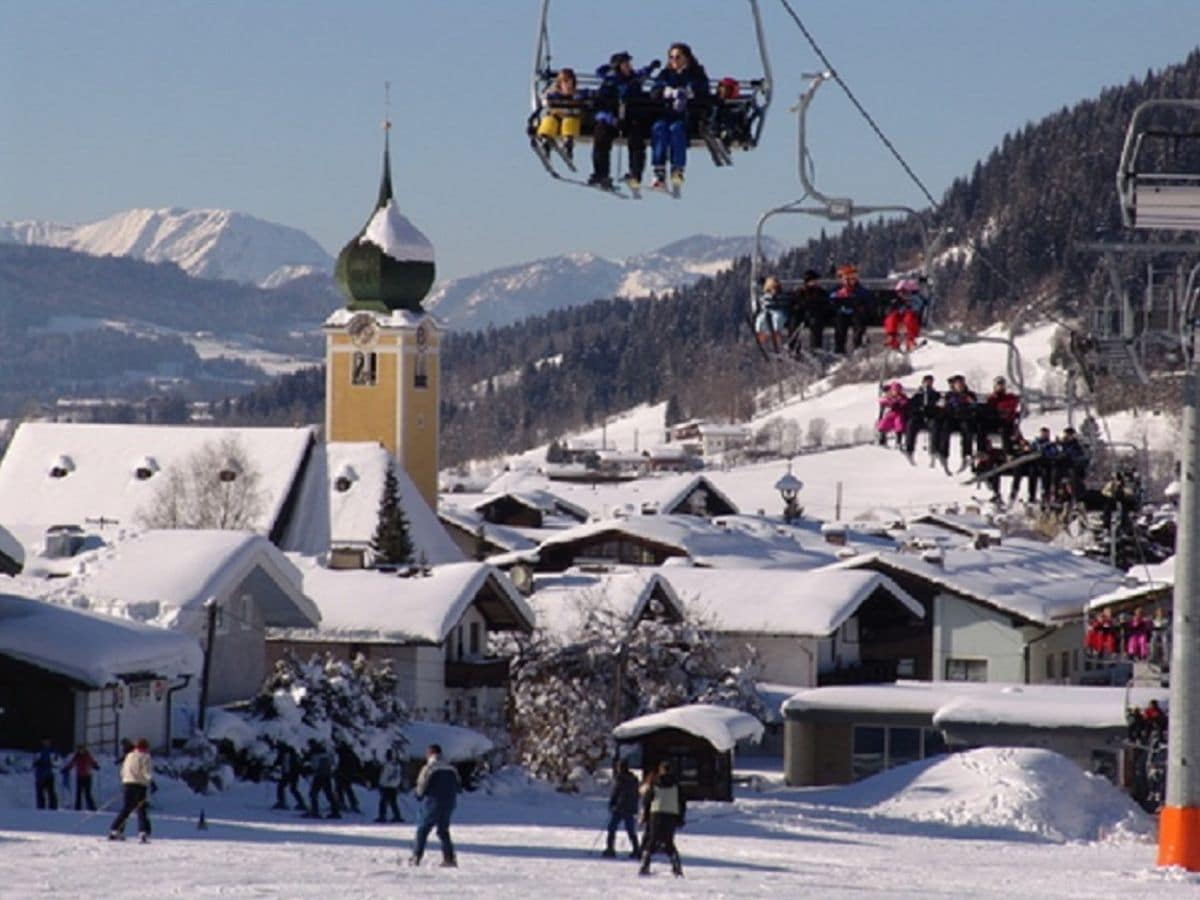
{"x": 101, "y": 808}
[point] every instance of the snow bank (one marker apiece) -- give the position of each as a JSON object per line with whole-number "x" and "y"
{"x": 1033, "y": 792}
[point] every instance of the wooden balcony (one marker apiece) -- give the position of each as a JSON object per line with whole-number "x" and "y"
{"x": 478, "y": 673}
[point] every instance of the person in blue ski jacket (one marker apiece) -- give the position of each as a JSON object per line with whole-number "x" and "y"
{"x": 681, "y": 88}
{"x": 620, "y": 109}
{"x": 43, "y": 776}
{"x": 437, "y": 788}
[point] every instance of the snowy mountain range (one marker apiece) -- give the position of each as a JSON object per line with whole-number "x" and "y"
{"x": 205, "y": 243}
{"x": 506, "y": 295}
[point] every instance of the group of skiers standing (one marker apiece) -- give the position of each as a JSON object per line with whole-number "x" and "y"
{"x": 781, "y": 316}
{"x": 333, "y": 776}
{"x": 137, "y": 779}
{"x": 663, "y": 808}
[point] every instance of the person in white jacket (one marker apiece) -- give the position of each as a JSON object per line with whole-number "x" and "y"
{"x": 137, "y": 772}
{"x": 390, "y": 777}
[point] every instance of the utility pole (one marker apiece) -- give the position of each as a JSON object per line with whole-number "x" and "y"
{"x": 210, "y": 610}
{"x": 1179, "y": 819}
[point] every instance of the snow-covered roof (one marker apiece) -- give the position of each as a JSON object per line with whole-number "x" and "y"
{"x": 91, "y": 649}
{"x": 100, "y": 463}
{"x": 662, "y": 492}
{"x": 370, "y": 605}
{"x": 499, "y": 535}
{"x": 165, "y": 577}
{"x": 1036, "y": 581}
{"x": 718, "y": 430}
{"x": 1133, "y": 593}
{"x": 719, "y": 725}
{"x": 338, "y": 504}
{"x": 458, "y": 744}
{"x": 561, "y": 600}
{"x": 727, "y": 542}
{"x": 780, "y": 601}
{"x": 948, "y": 703}
{"x": 392, "y": 233}
{"x": 542, "y": 500}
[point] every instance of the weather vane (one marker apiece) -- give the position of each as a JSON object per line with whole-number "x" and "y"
{"x": 387, "y": 106}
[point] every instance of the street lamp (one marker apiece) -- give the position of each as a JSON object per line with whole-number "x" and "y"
{"x": 789, "y": 487}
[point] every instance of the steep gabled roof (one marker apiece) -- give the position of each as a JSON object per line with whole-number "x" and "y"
{"x": 368, "y": 605}
{"x": 165, "y": 577}
{"x": 1034, "y": 581}
{"x": 338, "y": 505}
{"x": 781, "y": 601}
{"x": 98, "y": 470}
{"x": 561, "y": 600}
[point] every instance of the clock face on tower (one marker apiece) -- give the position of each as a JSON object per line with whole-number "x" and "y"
{"x": 362, "y": 329}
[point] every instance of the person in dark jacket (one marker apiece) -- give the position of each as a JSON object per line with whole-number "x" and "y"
{"x": 1044, "y": 466}
{"x": 287, "y": 762}
{"x": 812, "y": 303}
{"x": 437, "y": 788}
{"x": 1071, "y": 463}
{"x": 681, "y": 88}
{"x": 665, "y": 809}
{"x": 922, "y": 412}
{"x": 344, "y": 776}
{"x": 84, "y": 765}
{"x": 623, "y": 808}
{"x": 320, "y": 761}
{"x": 620, "y": 109}
{"x": 850, "y": 302}
{"x": 958, "y": 417}
{"x": 43, "y": 776}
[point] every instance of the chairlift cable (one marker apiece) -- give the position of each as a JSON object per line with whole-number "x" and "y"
{"x": 857, "y": 105}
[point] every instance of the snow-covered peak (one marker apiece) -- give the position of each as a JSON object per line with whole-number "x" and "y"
{"x": 205, "y": 243}
{"x": 392, "y": 233}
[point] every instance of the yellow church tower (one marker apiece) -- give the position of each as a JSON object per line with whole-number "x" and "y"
{"x": 381, "y": 350}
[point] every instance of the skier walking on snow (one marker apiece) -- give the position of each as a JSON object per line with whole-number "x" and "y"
{"x": 390, "y": 777}
{"x": 665, "y": 809}
{"x": 137, "y": 772}
{"x": 437, "y": 789}
{"x": 622, "y": 808}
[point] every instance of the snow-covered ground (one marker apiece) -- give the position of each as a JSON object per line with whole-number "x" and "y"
{"x": 864, "y": 481}
{"x": 986, "y": 824}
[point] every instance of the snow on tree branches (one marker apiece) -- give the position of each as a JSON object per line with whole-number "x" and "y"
{"x": 567, "y": 693}
{"x": 330, "y": 702}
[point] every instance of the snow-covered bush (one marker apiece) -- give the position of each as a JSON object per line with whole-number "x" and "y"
{"x": 567, "y": 693}
{"x": 342, "y": 706}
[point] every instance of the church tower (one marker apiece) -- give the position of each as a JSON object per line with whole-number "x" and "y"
{"x": 381, "y": 350}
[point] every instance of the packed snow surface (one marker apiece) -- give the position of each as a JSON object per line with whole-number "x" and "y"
{"x": 986, "y": 824}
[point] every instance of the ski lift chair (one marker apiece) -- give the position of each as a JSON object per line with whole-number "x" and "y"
{"x": 1160, "y": 200}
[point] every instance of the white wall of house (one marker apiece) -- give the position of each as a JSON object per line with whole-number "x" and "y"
{"x": 969, "y": 634}
{"x": 782, "y": 659}
{"x": 841, "y": 649}
{"x": 142, "y": 712}
{"x": 468, "y": 639}
{"x": 1057, "y": 658}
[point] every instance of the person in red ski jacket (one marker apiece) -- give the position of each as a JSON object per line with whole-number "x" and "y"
{"x": 84, "y": 765}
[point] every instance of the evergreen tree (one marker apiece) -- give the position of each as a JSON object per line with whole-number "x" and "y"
{"x": 392, "y": 543}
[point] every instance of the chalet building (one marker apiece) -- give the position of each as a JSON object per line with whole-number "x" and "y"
{"x": 434, "y": 626}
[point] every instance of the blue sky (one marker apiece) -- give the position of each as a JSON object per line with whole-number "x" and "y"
{"x": 273, "y": 108}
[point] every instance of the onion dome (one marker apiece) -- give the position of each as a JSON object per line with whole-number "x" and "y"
{"x": 388, "y": 265}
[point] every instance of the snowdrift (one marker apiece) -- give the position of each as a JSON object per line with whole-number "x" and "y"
{"x": 1033, "y": 792}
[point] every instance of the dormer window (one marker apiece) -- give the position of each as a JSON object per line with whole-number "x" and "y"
{"x": 230, "y": 471}
{"x": 145, "y": 468}
{"x": 62, "y": 467}
{"x": 344, "y": 480}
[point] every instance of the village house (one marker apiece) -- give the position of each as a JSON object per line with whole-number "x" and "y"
{"x": 433, "y": 625}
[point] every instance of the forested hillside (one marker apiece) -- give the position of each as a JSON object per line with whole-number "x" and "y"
{"x": 1018, "y": 214}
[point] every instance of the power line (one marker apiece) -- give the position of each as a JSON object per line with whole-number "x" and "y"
{"x": 857, "y": 105}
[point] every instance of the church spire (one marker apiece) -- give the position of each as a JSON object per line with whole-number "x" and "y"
{"x": 389, "y": 264}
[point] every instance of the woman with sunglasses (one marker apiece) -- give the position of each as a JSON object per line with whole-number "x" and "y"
{"x": 682, "y": 84}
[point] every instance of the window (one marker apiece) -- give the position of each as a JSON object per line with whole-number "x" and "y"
{"x": 966, "y": 670}
{"x": 459, "y": 642}
{"x": 364, "y": 368}
{"x": 421, "y": 371}
{"x": 1065, "y": 671}
{"x": 474, "y": 638}
{"x": 870, "y": 751}
{"x": 1049, "y": 666}
{"x": 906, "y": 667}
